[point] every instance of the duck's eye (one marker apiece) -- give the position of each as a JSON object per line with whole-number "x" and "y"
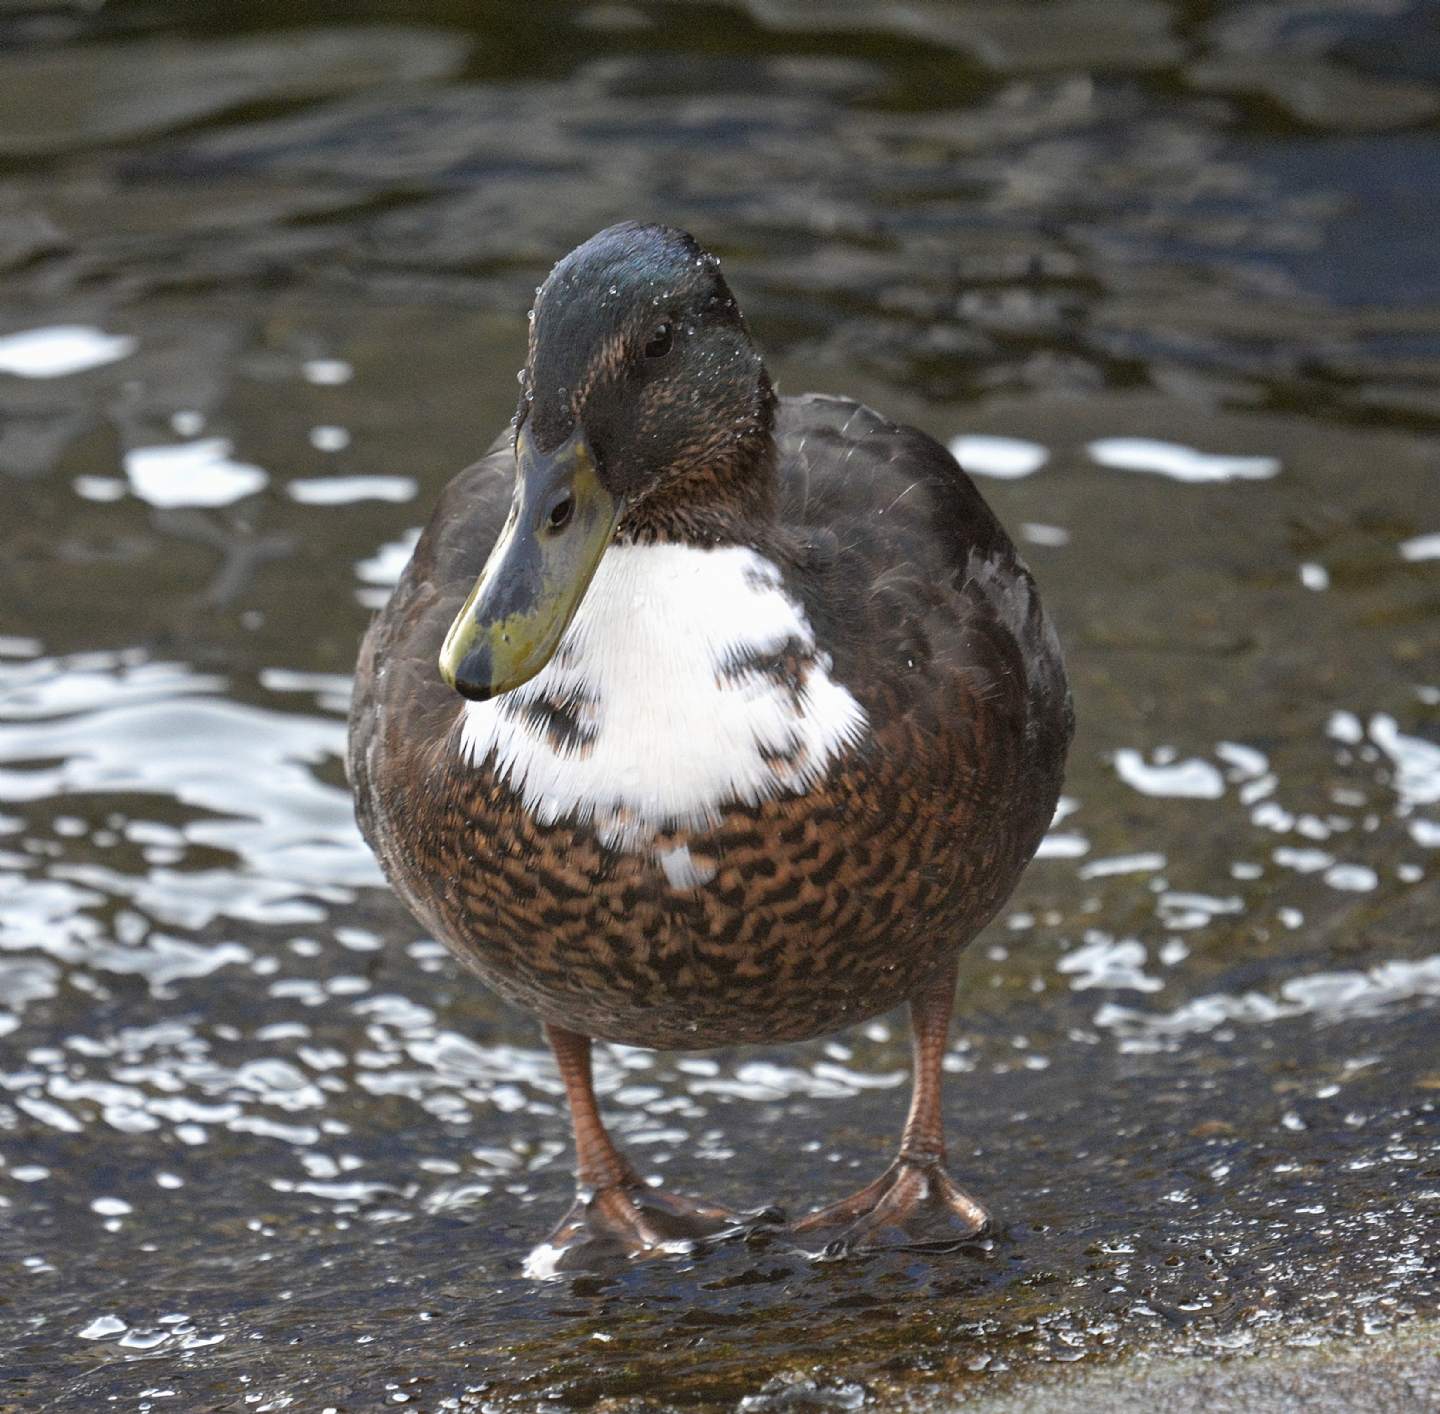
{"x": 662, "y": 340}
{"x": 561, "y": 512}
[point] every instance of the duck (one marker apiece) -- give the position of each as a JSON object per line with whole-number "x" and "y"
{"x": 703, "y": 716}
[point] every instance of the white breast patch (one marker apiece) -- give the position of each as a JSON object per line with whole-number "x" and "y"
{"x": 688, "y": 681}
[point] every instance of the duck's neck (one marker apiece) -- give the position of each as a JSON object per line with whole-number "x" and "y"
{"x": 722, "y": 494}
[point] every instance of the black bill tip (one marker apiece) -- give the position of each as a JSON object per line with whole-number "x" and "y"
{"x": 475, "y": 674}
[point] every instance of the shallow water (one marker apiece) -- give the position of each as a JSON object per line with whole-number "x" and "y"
{"x": 261, "y": 1145}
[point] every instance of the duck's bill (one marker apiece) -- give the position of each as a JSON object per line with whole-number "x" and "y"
{"x": 560, "y": 522}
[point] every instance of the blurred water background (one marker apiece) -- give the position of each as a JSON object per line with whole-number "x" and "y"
{"x": 1167, "y": 276}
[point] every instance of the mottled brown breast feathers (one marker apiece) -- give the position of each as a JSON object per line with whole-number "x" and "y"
{"x": 790, "y": 917}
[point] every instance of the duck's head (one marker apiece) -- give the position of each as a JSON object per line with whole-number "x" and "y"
{"x": 645, "y": 413}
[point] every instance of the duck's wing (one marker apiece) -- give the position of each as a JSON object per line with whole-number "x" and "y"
{"x": 912, "y": 584}
{"x": 401, "y": 707}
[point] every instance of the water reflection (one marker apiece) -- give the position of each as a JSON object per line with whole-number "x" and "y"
{"x": 60, "y": 350}
{"x": 1329, "y": 996}
{"x": 238, "y": 826}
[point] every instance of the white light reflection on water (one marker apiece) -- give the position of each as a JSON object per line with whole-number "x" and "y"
{"x": 1063, "y": 845}
{"x": 1145, "y": 863}
{"x": 326, "y": 372}
{"x": 108, "y": 733}
{"x": 1188, "y": 922}
{"x": 344, "y": 490}
{"x": 1178, "y": 462}
{"x": 192, "y": 474}
{"x": 1416, "y": 761}
{"x": 62, "y": 349}
{"x": 1327, "y": 996}
{"x": 1105, "y": 961}
{"x": 1422, "y": 547}
{"x": 1193, "y": 779}
{"x": 1007, "y": 458}
{"x": 329, "y": 438}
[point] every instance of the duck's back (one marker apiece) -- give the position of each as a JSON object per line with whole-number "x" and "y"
{"x": 881, "y": 762}
{"x": 914, "y": 579}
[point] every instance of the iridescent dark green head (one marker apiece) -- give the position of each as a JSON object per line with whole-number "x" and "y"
{"x": 646, "y": 413}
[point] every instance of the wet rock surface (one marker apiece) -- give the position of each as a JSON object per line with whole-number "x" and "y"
{"x": 1169, "y": 271}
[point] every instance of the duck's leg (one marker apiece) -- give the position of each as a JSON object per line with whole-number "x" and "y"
{"x": 616, "y": 1215}
{"x": 914, "y": 1202}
